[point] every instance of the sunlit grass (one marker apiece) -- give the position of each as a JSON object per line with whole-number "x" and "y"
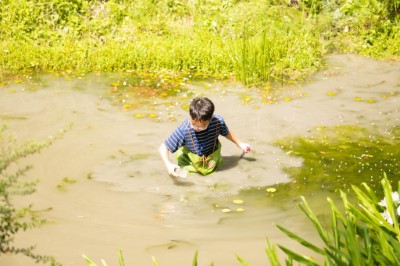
{"x": 359, "y": 235}
{"x": 255, "y": 42}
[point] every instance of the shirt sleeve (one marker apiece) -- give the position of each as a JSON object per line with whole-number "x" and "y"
{"x": 223, "y": 128}
{"x": 177, "y": 139}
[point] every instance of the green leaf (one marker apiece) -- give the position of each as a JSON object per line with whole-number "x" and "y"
{"x": 242, "y": 261}
{"x": 155, "y": 262}
{"x": 353, "y": 244}
{"x": 340, "y": 257}
{"x": 89, "y": 261}
{"x": 334, "y": 223}
{"x": 120, "y": 258}
{"x": 367, "y": 246}
{"x": 272, "y": 254}
{"x": 299, "y": 258}
{"x": 301, "y": 240}
{"x": 310, "y": 214}
{"x": 194, "y": 263}
{"x": 390, "y": 205}
{"x": 371, "y": 193}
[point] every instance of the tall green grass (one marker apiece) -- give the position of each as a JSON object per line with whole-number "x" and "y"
{"x": 257, "y": 41}
{"x": 366, "y": 232}
{"x": 87, "y": 36}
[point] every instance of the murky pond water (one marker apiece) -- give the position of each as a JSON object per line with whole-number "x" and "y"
{"x": 108, "y": 188}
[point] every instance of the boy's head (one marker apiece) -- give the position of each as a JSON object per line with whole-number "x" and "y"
{"x": 201, "y": 109}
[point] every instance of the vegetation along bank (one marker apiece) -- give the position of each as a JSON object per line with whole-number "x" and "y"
{"x": 257, "y": 42}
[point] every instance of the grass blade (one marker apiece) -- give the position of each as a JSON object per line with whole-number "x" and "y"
{"x": 314, "y": 219}
{"x": 120, "y": 258}
{"x": 272, "y": 254}
{"x": 299, "y": 258}
{"x": 194, "y": 263}
{"x": 301, "y": 240}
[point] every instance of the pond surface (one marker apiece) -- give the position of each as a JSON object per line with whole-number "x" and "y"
{"x": 108, "y": 188}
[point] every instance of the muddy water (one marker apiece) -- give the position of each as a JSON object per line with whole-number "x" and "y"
{"x": 108, "y": 188}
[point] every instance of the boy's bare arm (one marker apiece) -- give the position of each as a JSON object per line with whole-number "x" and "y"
{"x": 244, "y": 146}
{"x": 164, "y": 152}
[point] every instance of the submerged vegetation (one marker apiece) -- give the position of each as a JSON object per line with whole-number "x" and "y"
{"x": 256, "y": 42}
{"x": 334, "y": 158}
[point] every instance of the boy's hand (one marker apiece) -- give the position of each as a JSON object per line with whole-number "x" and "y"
{"x": 171, "y": 169}
{"x": 245, "y": 147}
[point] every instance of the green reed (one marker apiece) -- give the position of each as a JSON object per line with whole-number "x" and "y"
{"x": 276, "y": 54}
{"x": 362, "y": 234}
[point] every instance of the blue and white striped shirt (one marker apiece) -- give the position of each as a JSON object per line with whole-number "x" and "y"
{"x": 200, "y": 143}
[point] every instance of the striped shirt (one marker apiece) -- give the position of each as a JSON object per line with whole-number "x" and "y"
{"x": 200, "y": 143}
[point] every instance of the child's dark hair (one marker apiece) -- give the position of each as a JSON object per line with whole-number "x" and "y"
{"x": 201, "y": 109}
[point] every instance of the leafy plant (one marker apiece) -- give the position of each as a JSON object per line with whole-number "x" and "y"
{"x": 13, "y": 219}
{"x": 366, "y": 233}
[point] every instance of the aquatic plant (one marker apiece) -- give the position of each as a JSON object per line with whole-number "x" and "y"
{"x": 13, "y": 219}
{"x": 336, "y": 157}
{"x": 385, "y": 203}
{"x": 364, "y": 233}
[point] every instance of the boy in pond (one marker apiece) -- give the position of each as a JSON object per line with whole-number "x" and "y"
{"x": 196, "y": 142}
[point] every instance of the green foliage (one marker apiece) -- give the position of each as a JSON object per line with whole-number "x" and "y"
{"x": 360, "y": 235}
{"x": 366, "y": 27}
{"x": 258, "y": 42}
{"x": 12, "y": 219}
{"x": 213, "y": 38}
{"x": 287, "y": 49}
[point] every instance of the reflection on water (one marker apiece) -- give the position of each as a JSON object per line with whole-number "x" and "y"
{"x": 124, "y": 197}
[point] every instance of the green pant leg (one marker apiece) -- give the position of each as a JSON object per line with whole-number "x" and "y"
{"x": 184, "y": 160}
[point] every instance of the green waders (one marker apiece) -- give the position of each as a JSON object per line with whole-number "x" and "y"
{"x": 194, "y": 163}
{"x": 199, "y": 164}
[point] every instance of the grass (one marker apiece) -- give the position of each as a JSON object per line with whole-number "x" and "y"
{"x": 256, "y": 42}
{"x": 358, "y": 235}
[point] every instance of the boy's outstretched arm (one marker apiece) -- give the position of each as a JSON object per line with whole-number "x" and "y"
{"x": 244, "y": 146}
{"x": 164, "y": 152}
